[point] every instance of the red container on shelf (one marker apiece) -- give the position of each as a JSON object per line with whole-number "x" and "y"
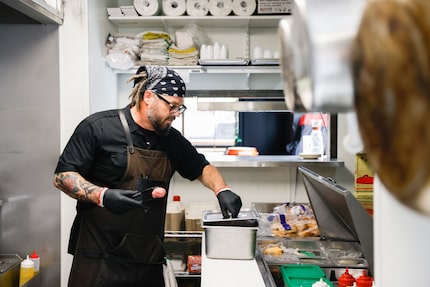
{"x": 346, "y": 279}
{"x": 364, "y": 280}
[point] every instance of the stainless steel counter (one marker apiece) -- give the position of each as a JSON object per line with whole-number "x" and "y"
{"x": 235, "y": 273}
{"x": 270, "y": 161}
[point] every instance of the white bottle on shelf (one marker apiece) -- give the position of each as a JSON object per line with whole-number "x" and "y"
{"x": 317, "y": 138}
{"x": 36, "y": 259}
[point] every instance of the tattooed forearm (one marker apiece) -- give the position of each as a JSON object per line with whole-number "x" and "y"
{"x": 74, "y": 185}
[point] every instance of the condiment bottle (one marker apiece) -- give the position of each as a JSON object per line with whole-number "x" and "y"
{"x": 26, "y": 271}
{"x": 320, "y": 283}
{"x": 175, "y": 214}
{"x": 36, "y": 259}
{"x": 346, "y": 279}
{"x": 317, "y": 138}
{"x": 364, "y": 280}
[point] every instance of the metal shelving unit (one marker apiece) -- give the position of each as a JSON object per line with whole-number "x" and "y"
{"x": 179, "y": 245}
{"x": 204, "y": 21}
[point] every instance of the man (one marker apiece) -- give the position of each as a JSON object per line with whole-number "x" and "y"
{"x": 118, "y": 165}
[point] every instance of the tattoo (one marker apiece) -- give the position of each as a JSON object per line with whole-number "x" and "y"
{"x": 88, "y": 188}
{"x": 74, "y": 185}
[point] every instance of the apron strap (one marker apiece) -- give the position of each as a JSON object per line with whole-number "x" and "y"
{"x": 127, "y": 130}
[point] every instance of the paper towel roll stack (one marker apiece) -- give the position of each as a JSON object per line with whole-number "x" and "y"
{"x": 197, "y": 7}
{"x": 174, "y": 7}
{"x": 220, "y": 7}
{"x": 146, "y": 7}
{"x": 244, "y": 7}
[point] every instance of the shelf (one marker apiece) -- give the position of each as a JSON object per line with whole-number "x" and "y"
{"x": 243, "y": 81}
{"x": 217, "y": 69}
{"x": 204, "y": 21}
{"x": 37, "y": 10}
{"x": 270, "y": 161}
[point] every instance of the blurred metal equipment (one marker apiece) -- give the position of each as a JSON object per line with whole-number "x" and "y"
{"x": 315, "y": 54}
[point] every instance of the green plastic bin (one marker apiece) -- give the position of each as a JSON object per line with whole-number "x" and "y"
{"x": 302, "y": 275}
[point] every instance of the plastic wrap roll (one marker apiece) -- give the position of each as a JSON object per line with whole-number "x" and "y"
{"x": 147, "y": 7}
{"x": 174, "y": 7}
{"x": 197, "y": 7}
{"x": 220, "y": 7}
{"x": 244, "y": 7}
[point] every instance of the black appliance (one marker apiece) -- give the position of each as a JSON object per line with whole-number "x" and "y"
{"x": 269, "y": 132}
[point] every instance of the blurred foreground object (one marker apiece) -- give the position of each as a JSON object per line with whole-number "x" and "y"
{"x": 392, "y": 96}
{"x": 315, "y": 47}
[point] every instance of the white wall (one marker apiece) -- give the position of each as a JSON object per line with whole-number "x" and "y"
{"x": 401, "y": 242}
{"x": 74, "y": 97}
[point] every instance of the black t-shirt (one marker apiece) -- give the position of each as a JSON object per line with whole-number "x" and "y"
{"x": 97, "y": 149}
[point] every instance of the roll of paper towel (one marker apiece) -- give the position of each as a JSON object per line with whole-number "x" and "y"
{"x": 174, "y": 7}
{"x": 146, "y": 7}
{"x": 220, "y": 7}
{"x": 244, "y": 7}
{"x": 197, "y": 7}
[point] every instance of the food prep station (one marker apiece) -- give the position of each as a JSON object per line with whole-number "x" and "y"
{"x": 345, "y": 240}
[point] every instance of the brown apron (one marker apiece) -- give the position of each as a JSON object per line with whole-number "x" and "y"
{"x": 127, "y": 249}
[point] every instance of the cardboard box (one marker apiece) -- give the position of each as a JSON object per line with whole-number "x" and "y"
{"x": 274, "y": 7}
{"x": 194, "y": 264}
{"x": 193, "y": 214}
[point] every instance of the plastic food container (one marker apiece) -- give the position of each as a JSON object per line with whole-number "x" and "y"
{"x": 303, "y": 275}
{"x": 242, "y": 151}
{"x": 232, "y": 238}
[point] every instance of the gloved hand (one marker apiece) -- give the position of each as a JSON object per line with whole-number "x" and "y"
{"x": 120, "y": 200}
{"x": 229, "y": 202}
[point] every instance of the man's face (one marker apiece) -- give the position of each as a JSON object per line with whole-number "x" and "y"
{"x": 163, "y": 112}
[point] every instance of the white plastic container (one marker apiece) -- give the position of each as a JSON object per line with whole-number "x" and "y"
{"x": 175, "y": 215}
{"x": 36, "y": 260}
{"x": 317, "y": 146}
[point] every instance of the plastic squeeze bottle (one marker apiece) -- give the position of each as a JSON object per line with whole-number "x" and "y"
{"x": 26, "y": 271}
{"x": 346, "y": 279}
{"x": 36, "y": 260}
{"x": 320, "y": 283}
{"x": 364, "y": 280}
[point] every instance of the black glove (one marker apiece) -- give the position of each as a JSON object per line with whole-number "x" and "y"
{"x": 230, "y": 203}
{"x": 121, "y": 200}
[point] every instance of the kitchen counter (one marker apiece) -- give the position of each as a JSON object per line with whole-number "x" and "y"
{"x": 269, "y": 161}
{"x": 234, "y": 273}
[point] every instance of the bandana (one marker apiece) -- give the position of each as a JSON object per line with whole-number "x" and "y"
{"x": 162, "y": 80}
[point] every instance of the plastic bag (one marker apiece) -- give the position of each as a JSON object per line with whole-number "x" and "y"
{"x": 119, "y": 61}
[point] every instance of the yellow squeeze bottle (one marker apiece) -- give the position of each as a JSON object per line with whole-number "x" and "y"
{"x": 26, "y": 271}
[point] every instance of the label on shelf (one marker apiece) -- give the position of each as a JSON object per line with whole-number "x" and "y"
{"x": 274, "y": 6}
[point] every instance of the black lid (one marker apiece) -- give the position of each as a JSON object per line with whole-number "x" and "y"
{"x": 245, "y": 218}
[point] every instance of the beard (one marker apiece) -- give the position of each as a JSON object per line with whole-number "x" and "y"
{"x": 159, "y": 127}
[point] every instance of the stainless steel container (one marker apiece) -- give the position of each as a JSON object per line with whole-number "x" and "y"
{"x": 9, "y": 270}
{"x": 232, "y": 238}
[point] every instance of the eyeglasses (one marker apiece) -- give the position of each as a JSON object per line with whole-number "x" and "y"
{"x": 173, "y": 109}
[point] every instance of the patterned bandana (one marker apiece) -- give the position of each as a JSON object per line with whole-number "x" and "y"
{"x": 163, "y": 80}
